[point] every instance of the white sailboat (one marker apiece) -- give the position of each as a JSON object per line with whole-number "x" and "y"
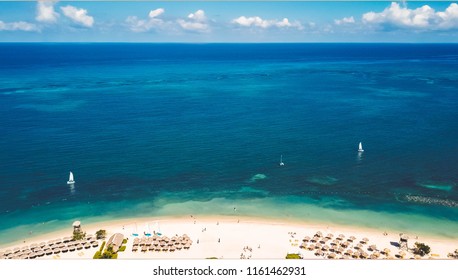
{"x": 70, "y": 179}
{"x": 281, "y": 160}
{"x": 360, "y": 148}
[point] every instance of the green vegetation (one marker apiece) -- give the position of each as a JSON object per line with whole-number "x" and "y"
{"x": 122, "y": 249}
{"x": 79, "y": 235}
{"x": 98, "y": 254}
{"x": 293, "y": 256}
{"x": 124, "y": 241}
{"x": 101, "y": 234}
{"x": 421, "y": 249}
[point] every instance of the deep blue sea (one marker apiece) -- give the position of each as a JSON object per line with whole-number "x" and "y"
{"x": 179, "y": 129}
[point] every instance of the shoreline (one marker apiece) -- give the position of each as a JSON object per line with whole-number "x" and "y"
{"x": 235, "y": 231}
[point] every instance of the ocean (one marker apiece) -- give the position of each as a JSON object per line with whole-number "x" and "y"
{"x": 199, "y": 129}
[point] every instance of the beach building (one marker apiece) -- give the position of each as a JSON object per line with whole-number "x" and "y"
{"x": 115, "y": 241}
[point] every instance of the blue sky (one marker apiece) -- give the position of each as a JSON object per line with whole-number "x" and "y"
{"x": 228, "y": 21}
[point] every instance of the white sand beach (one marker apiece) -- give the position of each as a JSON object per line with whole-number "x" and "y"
{"x": 249, "y": 238}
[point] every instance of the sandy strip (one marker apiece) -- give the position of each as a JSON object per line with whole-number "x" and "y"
{"x": 244, "y": 237}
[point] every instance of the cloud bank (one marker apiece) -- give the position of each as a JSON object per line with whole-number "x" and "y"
{"x": 262, "y": 23}
{"x": 423, "y": 18}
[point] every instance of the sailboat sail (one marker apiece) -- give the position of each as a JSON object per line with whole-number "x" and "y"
{"x": 360, "y": 148}
{"x": 70, "y": 179}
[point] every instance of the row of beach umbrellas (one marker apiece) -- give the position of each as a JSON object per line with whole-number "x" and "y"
{"x": 161, "y": 243}
{"x": 56, "y": 246}
{"x": 341, "y": 247}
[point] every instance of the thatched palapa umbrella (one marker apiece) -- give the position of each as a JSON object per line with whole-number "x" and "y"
{"x": 318, "y": 234}
{"x": 306, "y": 239}
{"x": 318, "y": 252}
{"x": 351, "y": 238}
{"x": 372, "y": 247}
{"x": 365, "y": 240}
{"x": 311, "y": 247}
{"x": 340, "y": 237}
{"x": 330, "y": 236}
{"x": 332, "y": 256}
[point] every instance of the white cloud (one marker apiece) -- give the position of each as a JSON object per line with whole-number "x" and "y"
{"x": 19, "y": 25}
{"x": 196, "y": 22}
{"x": 143, "y": 25}
{"x": 198, "y": 16}
{"x": 78, "y": 16}
{"x": 423, "y": 18}
{"x": 262, "y": 23}
{"x": 45, "y": 11}
{"x": 345, "y": 20}
{"x": 156, "y": 13}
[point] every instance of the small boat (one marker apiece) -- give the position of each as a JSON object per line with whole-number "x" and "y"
{"x": 281, "y": 160}
{"x": 360, "y": 148}
{"x": 70, "y": 179}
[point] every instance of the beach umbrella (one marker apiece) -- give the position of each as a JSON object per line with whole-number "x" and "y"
{"x": 349, "y": 252}
{"x": 325, "y": 248}
{"x": 157, "y": 249}
{"x": 318, "y": 252}
{"x": 39, "y": 253}
{"x": 332, "y": 256}
{"x": 373, "y": 257}
{"x": 356, "y": 254}
{"x": 50, "y": 242}
{"x": 89, "y": 236}
{"x": 33, "y": 245}
{"x": 95, "y": 244}
{"x": 87, "y": 246}
{"x": 334, "y": 248}
{"x": 16, "y": 250}
{"x": 172, "y": 249}
{"x": 317, "y": 246}
{"x": 61, "y": 245}
{"x": 358, "y": 246}
{"x": 144, "y": 248}
{"x": 165, "y": 249}
{"x": 311, "y": 247}
{"x": 79, "y": 247}
{"x": 351, "y": 238}
{"x": 42, "y": 244}
{"x": 188, "y": 245}
{"x": 64, "y": 250}
{"x": 340, "y": 250}
{"x": 340, "y": 237}
{"x": 71, "y": 248}
{"x": 306, "y": 239}
{"x": 315, "y": 239}
{"x": 303, "y": 245}
{"x": 67, "y": 239}
{"x": 319, "y": 234}
{"x": 330, "y": 236}
{"x": 58, "y": 241}
{"x": 335, "y": 242}
{"x": 372, "y": 247}
{"x": 56, "y": 251}
{"x": 179, "y": 246}
{"x": 364, "y": 255}
{"x": 134, "y": 248}
{"x": 345, "y": 244}
{"x": 323, "y": 241}
{"x": 386, "y": 251}
{"x": 365, "y": 240}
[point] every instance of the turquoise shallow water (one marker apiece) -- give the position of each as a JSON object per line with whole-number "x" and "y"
{"x": 174, "y": 129}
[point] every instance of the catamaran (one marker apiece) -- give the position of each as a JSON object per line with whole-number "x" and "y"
{"x": 70, "y": 179}
{"x": 360, "y": 148}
